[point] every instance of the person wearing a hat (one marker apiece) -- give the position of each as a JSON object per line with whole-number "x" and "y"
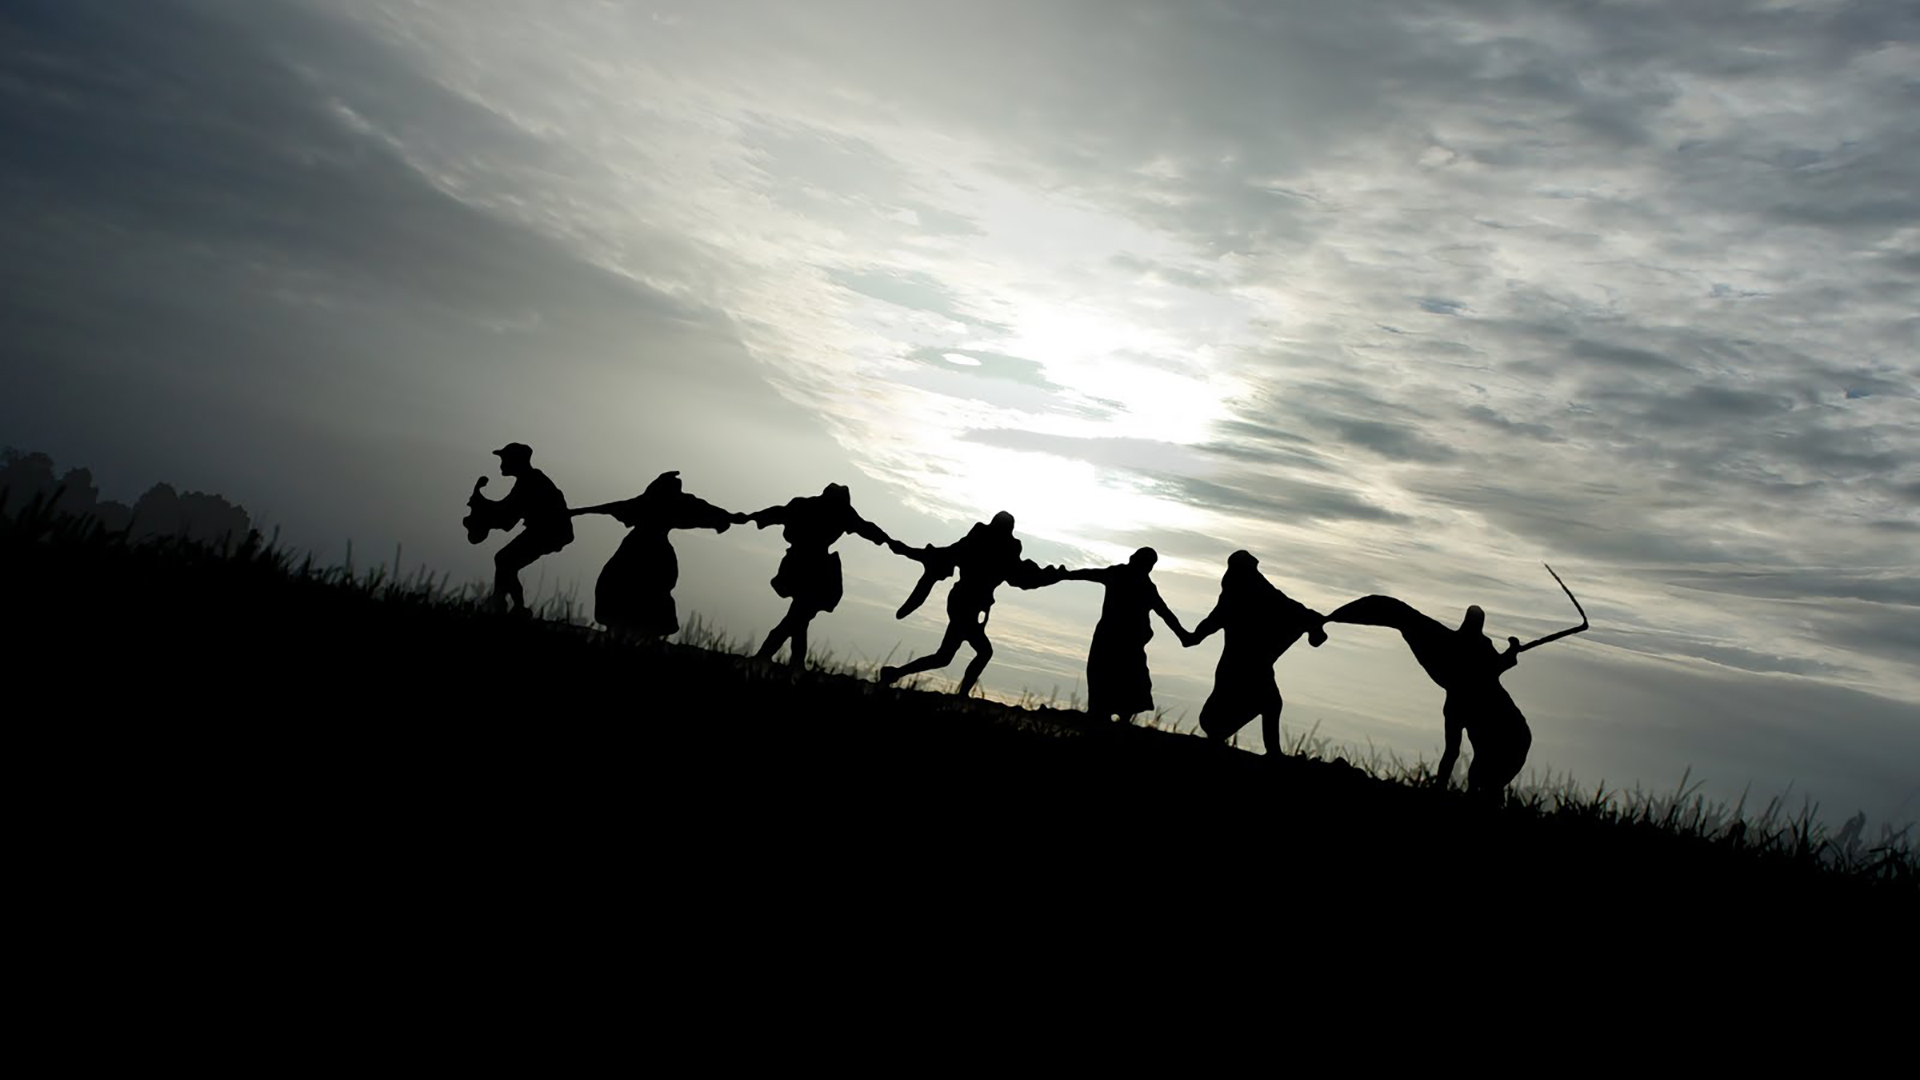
{"x": 534, "y": 500}
{"x": 1260, "y": 622}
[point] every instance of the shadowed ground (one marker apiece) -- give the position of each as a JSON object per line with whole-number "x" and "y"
{"x": 224, "y": 746}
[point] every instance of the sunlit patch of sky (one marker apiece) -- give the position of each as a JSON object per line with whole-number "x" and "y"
{"x": 1406, "y": 299}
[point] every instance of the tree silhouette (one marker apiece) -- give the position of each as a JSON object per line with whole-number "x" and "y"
{"x": 162, "y": 511}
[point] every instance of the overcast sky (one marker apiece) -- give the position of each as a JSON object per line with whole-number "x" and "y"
{"x": 1402, "y": 297}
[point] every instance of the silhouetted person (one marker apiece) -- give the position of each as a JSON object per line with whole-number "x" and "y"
{"x": 534, "y": 500}
{"x": 1118, "y": 683}
{"x": 634, "y": 596}
{"x": 1260, "y": 622}
{"x": 986, "y": 557}
{"x": 809, "y": 572}
{"x": 1464, "y": 664}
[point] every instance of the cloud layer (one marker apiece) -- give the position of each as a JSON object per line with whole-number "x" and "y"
{"x": 1403, "y": 297}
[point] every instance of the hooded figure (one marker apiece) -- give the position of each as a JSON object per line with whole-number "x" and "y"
{"x": 1464, "y": 663}
{"x": 1118, "y": 683}
{"x": 809, "y": 573}
{"x": 1260, "y": 622}
{"x": 634, "y": 595}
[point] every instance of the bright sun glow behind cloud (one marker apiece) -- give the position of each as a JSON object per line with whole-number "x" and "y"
{"x": 1401, "y": 298}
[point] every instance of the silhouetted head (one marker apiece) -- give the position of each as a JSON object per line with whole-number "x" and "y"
{"x": 837, "y": 493}
{"x": 1475, "y": 620}
{"x": 1144, "y": 558}
{"x": 667, "y": 483}
{"x": 1243, "y": 570}
{"x": 1003, "y": 521}
{"x": 515, "y": 458}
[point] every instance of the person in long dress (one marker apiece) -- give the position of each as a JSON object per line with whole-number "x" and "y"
{"x": 1260, "y": 622}
{"x": 1118, "y": 683}
{"x": 634, "y": 595}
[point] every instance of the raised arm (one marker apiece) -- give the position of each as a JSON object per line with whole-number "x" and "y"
{"x": 1101, "y": 574}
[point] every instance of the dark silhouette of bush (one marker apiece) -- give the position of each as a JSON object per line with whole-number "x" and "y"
{"x": 30, "y": 476}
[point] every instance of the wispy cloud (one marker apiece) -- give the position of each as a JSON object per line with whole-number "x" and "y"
{"x": 1417, "y": 295}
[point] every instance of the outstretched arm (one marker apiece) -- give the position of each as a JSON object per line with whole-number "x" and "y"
{"x": 867, "y": 530}
{"x": 1294, "y": 613}
{"x": 693, "y": 512}
{"x": 1215, "y": 620}
{"x": 1027, "y": 574}
{"x": 945, "y": 559}
{"x": 1089, "y": 573}
{"x": 772, "y": 515}
{"x": 616, "y": 509}
{"x": 1167, "y": 616}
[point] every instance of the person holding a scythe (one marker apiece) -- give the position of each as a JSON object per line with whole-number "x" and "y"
{"x": 1464, "y": 664}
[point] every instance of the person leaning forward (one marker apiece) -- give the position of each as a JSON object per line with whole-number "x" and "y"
{"x": 534, "y": 500}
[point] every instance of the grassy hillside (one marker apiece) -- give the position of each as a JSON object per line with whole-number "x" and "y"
{"x": 370, "y": 745}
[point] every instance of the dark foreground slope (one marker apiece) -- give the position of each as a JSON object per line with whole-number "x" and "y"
{"x": 223, "y": 746}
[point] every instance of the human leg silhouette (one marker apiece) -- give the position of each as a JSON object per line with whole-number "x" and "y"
{"x": 792, "y": 628}
{"x": 982, "y": 652}
{"x": 939, "y": 658}
{"x": 1240, "y": 693}
{"x": 1223, "y": 714}
{"x": 1496, "y": 763}
{"x": 516, "y": 556}
{"x": 776, "y": 637}
{"x": 797, "y": 651}
{"x": 1270, "y": 706}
